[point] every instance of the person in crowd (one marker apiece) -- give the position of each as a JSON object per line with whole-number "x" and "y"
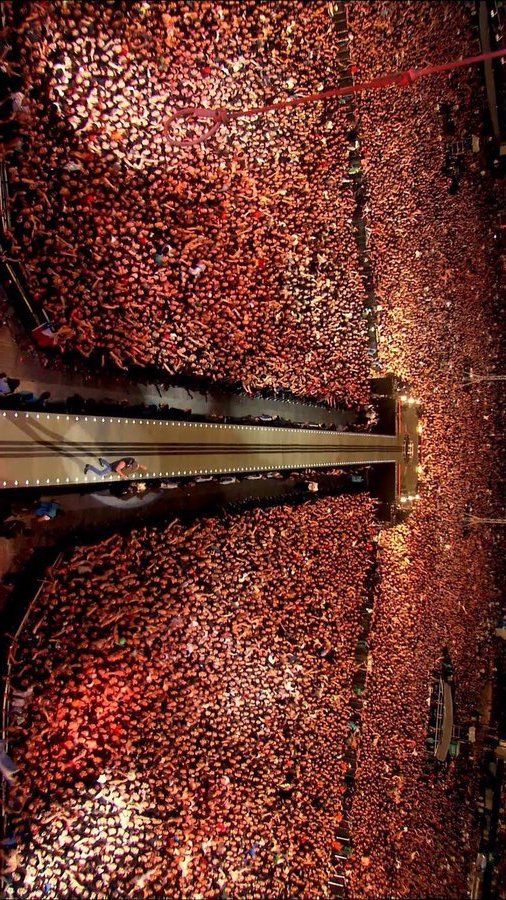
{"x": 28, "y": 398}
{"x": 8, "y": 385}
{"x": 47, "y": 510}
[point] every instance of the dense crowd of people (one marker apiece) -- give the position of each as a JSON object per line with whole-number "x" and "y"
{"x": 234, "y": 259}
{"x": 190, "y": 718}
{"x": 435, "y": 276}
{"x": 185, "y": 707}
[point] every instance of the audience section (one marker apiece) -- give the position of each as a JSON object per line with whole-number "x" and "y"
{"x": 432, "y": 251}
{"x": 235, "y": 259}
{"x": 187, "y": 695}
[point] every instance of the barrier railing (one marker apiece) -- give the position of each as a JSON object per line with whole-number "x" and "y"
{"x": 5, "y": 219}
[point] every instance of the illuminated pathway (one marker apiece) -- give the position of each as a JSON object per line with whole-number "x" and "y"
{"x": 50, "y": 449}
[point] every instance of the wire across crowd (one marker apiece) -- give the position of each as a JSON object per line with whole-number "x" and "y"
{"x": 184, "y": 702}
{"x": 235, "y": 259}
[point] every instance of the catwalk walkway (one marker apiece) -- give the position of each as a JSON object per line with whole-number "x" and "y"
{"x": 38, "y": 448}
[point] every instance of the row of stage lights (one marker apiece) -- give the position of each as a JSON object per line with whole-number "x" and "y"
{"x": 409, "y": 401}
{"x": 412, "y": 401}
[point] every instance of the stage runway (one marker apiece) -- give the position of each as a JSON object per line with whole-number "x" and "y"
{"x": 38, "y": 448}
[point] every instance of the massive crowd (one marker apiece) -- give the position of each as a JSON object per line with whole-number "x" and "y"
{"x": 234, "y": 259}
{"x": 434, "y": 272}
{"x": 185, "y": 704}
{"x": 432, "y": 252}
